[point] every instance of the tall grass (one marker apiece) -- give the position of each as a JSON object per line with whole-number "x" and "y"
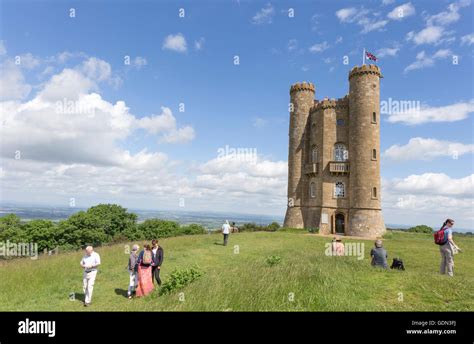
{"x": 238, "y": 278}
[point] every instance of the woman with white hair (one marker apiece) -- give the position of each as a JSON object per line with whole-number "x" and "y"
{"x": 133, "y": 270}
{"x": 379, "y": 255}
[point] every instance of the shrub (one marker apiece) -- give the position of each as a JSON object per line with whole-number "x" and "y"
{"x": 180, "y": 278}
{"x": 273, "y": 260}
{"x": 274, "y": 226}
{"x": 421, "y": 229}
{"x": 193, "y": 229}
{"x": 43, "y": 233}
{"x": 313, "y": 229}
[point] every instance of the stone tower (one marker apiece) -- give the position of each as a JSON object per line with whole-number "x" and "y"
{"x": 334, "y": 158}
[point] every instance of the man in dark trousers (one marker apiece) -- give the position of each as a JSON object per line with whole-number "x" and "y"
{"x": 157, "y": 261}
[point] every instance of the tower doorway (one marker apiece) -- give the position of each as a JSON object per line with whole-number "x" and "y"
{"x": 340, "y": 223}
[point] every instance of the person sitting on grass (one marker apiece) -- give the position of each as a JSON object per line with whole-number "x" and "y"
{"x": 379, "y": 255}
{"x": 145, "y": 262}
{"x": 133, "y": 270}
{"x": 337, "y": 247}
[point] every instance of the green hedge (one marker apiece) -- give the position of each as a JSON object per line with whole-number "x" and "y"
{"x": 101, "y": 224}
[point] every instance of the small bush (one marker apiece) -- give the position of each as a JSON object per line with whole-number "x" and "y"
{"x": 313, "y": 229}
{"x": 421, "y": 229}
{"x": 180, "y": 278}
{"x": 273, "y": 260}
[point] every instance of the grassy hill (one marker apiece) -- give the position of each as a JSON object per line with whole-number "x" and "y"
{"x": 245, "y": 282}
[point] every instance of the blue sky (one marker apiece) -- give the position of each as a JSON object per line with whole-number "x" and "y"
{"x": 190, "y": 60}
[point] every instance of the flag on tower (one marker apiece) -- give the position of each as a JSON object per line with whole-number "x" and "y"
{"x": 370, "y": 56}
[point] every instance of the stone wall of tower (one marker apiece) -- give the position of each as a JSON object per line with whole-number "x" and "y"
{"x": 365, "y": 214}
{"x": 302, "y": 99}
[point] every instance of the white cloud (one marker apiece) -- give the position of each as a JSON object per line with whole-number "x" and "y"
{"x": 320, "y": 47}
{"x": 361, "y": 16}
{"x": 423, "y": 60}
{"x": 181, "y": 135}
{"x": 419, "y": 148}
{"x": 338, "y": 40}
{"x": 429, "y": 35}
{"x": 387, "y": 2}
{"x": 429, "y": 199}
{"x": 199, "y": 44}
{"x": 175, "y": 43}
{"x": 96, "y": 69}
{"x": 28, "y": 61}
{"x": 292, "y": 44}
{"x": 426, "y": 114}
{"x": 435, "y": 184}
{"x": 371, "y": 25}
{"x": 383, "y": 52}
{"x": 139, "y": 62}
{"x": 12, "y": 82}
{"x": 451, "y": 15}
{"x": 467, "y": 39}
{"x": 402, "y": 11}
{"x": 265, "y": 15}
{"x": 158, "y": 123}
{"x": 347, "y": 15}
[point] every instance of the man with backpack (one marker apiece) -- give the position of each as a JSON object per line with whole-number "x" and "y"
{"x": 447, "y": 248}
{"x": 157, "y": 251}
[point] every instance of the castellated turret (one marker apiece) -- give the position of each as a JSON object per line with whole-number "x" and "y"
{"x": 334, "y": 158}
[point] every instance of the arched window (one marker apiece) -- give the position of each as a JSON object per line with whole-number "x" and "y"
{"x": 374, "y": 154}
{"x": 374, "y": 192}
{"x": 314, "y": 156}
{"x": 340, "y": 152}
{"x": 312, "y": 190}
{"x": 339, "y": 190}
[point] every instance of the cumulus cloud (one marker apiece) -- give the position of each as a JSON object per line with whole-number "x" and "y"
{"x": 12, "y": 82}
{"x": 425, "y": 114}
{"x": 424, "y": 60}
{"x": 319, "y": 47}
{"x": 419, "y": 148}
{"x": 429, "y": 35}
{"x": 264, "y": 15}
{"x": 402, "y": 11}
{"x": 384, "y": 52}
{"x": 362, "y": 17}
{"x": 175, "y": 43}
{"x": 467, "y": 39}
{"x": 428, "y": 198}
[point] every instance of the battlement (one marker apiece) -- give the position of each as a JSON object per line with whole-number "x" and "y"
{"x": 302, "y": 86}
{"x": 330, "y": 104}
{"x": 365, "y": 69}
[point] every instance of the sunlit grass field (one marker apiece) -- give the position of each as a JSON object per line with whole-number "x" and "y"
{"x": 238, "y": 278}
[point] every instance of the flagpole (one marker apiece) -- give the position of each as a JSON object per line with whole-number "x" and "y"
{"x": 363, "y": 58}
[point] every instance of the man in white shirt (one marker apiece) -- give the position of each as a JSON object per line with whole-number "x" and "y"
{"x": 89, "y": 262}
{"x": 226, "y": 231}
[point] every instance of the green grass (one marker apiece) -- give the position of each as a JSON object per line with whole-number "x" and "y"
{"x": 246, "y": 282}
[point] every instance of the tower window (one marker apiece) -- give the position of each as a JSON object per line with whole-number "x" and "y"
{"x": 374, "y": 154}
{"x": 312, "y": 190}
{"x": 339, "y": 190}
{"x": 340, "y": 152}
{"x": 374, "y": 192}
{"x": 374, "y": 117}
{"x": 340, "y": 122}
{"x": 314, "y": 156}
